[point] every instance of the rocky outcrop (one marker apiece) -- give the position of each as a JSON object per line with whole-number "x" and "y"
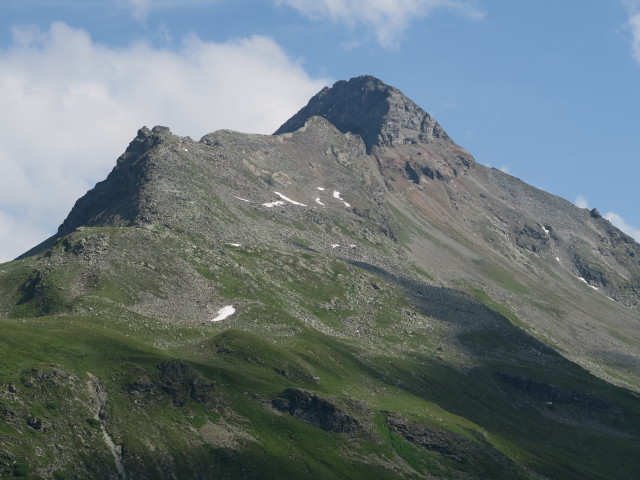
{"x": 178, "y": 379}
{"x": 474, "y": 456}
{"x": 425, "y": 436}
{"x": 38, "y": 297}
{"x": 310, "y": 408}
{"x": 116, "y": 200}
{"x": 593, "y": 273}
{"x": 531, "y": 238}
{"x": 183, "y": 382}
{"x": 407, "y": 141}
{"x": 368, "y": 107}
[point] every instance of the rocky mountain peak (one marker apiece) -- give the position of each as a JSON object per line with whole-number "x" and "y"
{"x": 381, "y": 114}
{"x": 116, "y": 200}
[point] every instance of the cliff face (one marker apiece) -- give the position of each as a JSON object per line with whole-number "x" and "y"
{"x": 396, "y": 130}
{"x": 379, "y": 113}
{"x": 117, "y": 200}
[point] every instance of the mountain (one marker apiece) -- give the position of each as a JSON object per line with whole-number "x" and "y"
{"x": 352, "y": 297}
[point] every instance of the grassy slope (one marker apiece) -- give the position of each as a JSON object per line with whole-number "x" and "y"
{"x": 368, "y": 349}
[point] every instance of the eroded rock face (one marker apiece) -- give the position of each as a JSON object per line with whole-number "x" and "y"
{"x": 115, "y": 200}
{"x": 405, "y": 139}
{"x": 531, "y": 238}
{"x": 377, "y": 112}
{"x": 183, "y": 382}
{"x": 178, "y": 379}
{"x": 425, "y": 436}
{"x": 310, "y": 408}
{"x": 473, "y": 454}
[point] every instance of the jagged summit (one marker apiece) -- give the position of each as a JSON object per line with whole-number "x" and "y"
{"x": 381, "y": 114}
{"x": 116, "y": 200}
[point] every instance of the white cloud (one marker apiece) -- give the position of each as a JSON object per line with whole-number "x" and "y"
{"x": 388, "y": 18}
{"x": 71, "y": 106}
{"x": 614, "y": 218}
{"x": 633, "y": 10}
{"x": 505, "y": 168}
{"x": 16, "y": 233}
{"x": 619, "y": 222}
{"x": 139, "y": 8}
{"x": 581, "y": 202}
{"x": 634, "y": 25}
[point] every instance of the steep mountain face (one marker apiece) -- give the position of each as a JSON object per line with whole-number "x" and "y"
{"x": 399, "y": 311}
{"x": 380, "y": 114}
{"x": 388, "y": 122}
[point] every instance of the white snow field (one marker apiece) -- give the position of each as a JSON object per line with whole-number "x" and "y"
{"x": 224, "y": 312}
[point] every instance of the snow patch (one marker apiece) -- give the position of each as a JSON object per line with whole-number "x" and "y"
{"x": 287, "y": 199}
{"x": 224, "y": 312}
{"x": 558, "y": 258}
{"x": 545, "y": 230}
{"x": 582, "y": 279}
{"x": 233, "y": 244}
{"x": 277, "y": 203}
{"x": 335, "y": 245}
{"x": 243, "y": 199}
{"x": 319, "y": 202}
{"x": 336, "y": 194}
{"x": 321, "y": 189}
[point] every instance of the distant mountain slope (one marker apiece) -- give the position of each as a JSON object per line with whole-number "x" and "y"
{"x": 399, "y": 311}
{"x": 570, "y": 266}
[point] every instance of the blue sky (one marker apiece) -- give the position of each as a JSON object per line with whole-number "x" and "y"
{"x": 547, "y": 90}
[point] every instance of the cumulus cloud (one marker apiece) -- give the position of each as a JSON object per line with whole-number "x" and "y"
{"x": 70, "y": 106}
{"x": 619, "y": 222}
{"x": 388, "y": 18}
{"x": 581, "y": 202}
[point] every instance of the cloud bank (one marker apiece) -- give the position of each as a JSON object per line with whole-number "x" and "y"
{"x": 71, "y": 106}
{"x": 387, "y": 18}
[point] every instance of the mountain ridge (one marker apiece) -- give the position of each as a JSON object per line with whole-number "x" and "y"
{"x": 515, "y": 224}
{"x": 420, "y": 314}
